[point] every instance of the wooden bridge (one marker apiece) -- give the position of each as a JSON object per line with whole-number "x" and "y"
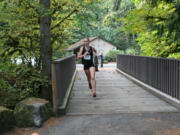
{"x": 115, "y": 94}
{"x": 131, "y": 100}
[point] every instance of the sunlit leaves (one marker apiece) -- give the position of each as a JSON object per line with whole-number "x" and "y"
{"x": 136, "y": 1}
{"x": 90, "y": 1}
{"x": 157, "y": 28}
{"x": 20, "y": 29}
{"x": 109, "y": 19}
{"x": 62, "y": 24}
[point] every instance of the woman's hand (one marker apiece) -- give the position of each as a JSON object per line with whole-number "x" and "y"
{"x": 85, "y": 53}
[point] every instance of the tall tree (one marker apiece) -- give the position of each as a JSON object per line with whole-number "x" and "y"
{"x": 20, "y": 40}
{"x": 45, "y": 45}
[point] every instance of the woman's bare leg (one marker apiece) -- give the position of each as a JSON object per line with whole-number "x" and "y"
{"x": 88, "y": 75}
{"x": 93, "y": 81}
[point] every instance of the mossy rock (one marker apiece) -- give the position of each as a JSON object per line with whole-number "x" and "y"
{"x": 32, "y": 112}
{"x": 6, "y": 118}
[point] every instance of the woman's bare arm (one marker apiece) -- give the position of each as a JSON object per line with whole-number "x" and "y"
{"x": 94, "y": 50}
{"x": 80, "y": 55}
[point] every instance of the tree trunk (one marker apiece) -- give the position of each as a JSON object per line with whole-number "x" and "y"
{"x": 45, "y": 48}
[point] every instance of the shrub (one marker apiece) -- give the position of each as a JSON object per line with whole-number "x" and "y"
{"x": 131, "y": 51}
{"x": 111, "y": 55}
{"x": 174, "y": 55}
{"x": 19, "y": 83}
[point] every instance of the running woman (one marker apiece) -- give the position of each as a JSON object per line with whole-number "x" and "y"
{"x": 86, "y": 54}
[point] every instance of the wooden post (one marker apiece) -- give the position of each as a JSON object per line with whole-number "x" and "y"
{"x": 54, "y": 88}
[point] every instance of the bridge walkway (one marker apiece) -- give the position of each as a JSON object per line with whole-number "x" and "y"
{"x": 115, "y": 94}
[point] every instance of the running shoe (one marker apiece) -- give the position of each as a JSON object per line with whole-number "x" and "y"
{"x": 94, "y": 95}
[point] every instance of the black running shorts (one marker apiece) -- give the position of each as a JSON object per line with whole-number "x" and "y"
{"x": 88, "y": 65}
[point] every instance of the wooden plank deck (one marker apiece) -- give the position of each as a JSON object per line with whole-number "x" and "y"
{"x": 115, "y": 94}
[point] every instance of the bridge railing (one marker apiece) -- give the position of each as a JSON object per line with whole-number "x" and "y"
{"x": 160, "y": 73}
{"x": 62, "y": 74}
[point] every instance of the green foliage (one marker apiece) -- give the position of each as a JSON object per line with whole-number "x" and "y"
{"x": 63, "y": 22}
{"x": 20, "y": 30}
{"x": 19, "y": 35}
{"x": 136, "y": 2}
{"x": 112, "y": 54}
{"x": 157, "y": 26}
{"x": 8, "y": 95}
{"x": 174, "y": 55}
{"x": 29, "y": 81}
{"x": 101, "y": 20}
{"x": 20, "y": 83}
{"x": 131, "y": 51}
{"x": 20, "y": 40}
